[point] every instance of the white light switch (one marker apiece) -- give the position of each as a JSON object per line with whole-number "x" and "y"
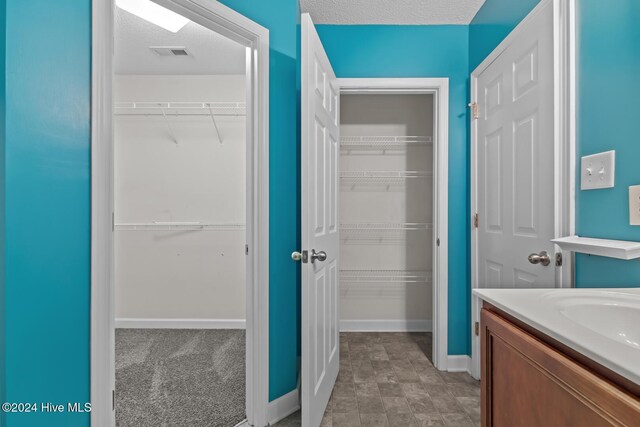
{"x": 634, "y": 205}
{"x": 598, "y": 170}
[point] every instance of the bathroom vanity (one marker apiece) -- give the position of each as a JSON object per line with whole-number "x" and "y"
{"x": 562, "y": 357}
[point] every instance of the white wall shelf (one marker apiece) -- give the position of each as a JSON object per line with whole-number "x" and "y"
{"x": 383, "y": 142}
{"x": 383, "y": 176}
{"x": 407, "y": 226}
{"x": 620, "y": 249}
{"x": 384, "y": 276}
{"x": 177, "y": 226}
{"x": 180, "y": 108}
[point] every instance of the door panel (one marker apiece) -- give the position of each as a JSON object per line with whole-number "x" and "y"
{"x": 320, "y": 157}
{"x": 515, "y": 160}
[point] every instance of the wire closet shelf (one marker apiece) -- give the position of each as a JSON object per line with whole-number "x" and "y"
{"x": 368, "y": 277}
{"x": 383, "y": 176}
{"x": 383, "y": 142}
{"x": 180, "y": 108}
{"x": 177, "y": 226}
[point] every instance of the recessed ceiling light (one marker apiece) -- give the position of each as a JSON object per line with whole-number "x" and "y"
{"x": 154, "y": 13}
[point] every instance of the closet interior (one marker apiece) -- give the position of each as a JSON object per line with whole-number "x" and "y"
{"x": 179, "y": 225}
{"x": 386, "y": 212}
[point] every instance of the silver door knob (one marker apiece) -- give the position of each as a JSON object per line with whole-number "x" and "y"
{"x": 541, "y": 258}
{"x": 320, "y": 256}
{"x": 300, "y": 256}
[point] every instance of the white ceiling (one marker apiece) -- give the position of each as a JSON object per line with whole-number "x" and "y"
{"x": 210, "y": 53}
{"x": 398, "y": 12}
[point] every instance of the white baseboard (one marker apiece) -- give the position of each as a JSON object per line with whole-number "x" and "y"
{"x": 459, "y": 364}
{"x": 283, "y": 406}
{"x": 181, "y": 323}
{"x": 386, "y": 326}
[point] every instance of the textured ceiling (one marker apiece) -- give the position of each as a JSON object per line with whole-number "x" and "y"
{"x": 399, "y": 12}
{"x": 210, "y": 53}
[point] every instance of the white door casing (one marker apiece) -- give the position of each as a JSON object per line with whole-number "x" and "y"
{"x": 522, "y": 146}
{"x": 320, "y": 230}
{"x": 225, "y": 21}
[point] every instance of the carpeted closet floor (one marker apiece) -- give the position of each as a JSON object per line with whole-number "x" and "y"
{"x": 180, "y": 377}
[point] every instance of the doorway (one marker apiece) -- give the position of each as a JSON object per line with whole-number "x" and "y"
{"x": 320, "y": 255}
{"x": 418, "y": 159}
{"x": 181, "y": 267}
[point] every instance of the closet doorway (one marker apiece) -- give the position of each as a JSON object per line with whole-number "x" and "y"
{"x": 180, "y": 278}
{"x": 393, "y": 209}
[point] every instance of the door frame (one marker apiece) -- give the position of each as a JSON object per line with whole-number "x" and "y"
{"x": 235, "y": 26}
{"x": 439, "y": 88}
{"x": 565, "y": 147}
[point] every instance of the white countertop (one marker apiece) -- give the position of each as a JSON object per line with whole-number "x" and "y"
{"x": 547, "y": 311}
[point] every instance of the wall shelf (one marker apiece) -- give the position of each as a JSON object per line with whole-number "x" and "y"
{"x": 383, "y": 142}
{"x": 620, "y": 249}
{"x": 177, "y": 226}
{"x": 180, "y": 108}
{"x": 383, "y": 176}
{"x": 407, "y": 226}
{"x": 384, "y": 276}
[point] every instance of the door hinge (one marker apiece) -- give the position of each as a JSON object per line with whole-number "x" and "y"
{"x": 246, "y": 249}
{"x": 474, "y": 110}
{"x": 559, "y": 259}
{"x": 476, "y": 221}
{"x": 113, "y": 400}
{"x": 477, "y": 328}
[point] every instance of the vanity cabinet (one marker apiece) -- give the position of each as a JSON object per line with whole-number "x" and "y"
{"x": 530, "y": 380}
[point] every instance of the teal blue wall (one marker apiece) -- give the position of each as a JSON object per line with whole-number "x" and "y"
{"x": 493, "y": 22}
{"x": 48, "y": 201}
{"x": 47, "y": 206}
{"x": 3, "y": 44}
{"x": 281, "y": 18}
{"x": 608, "y": 92}
{"x": 423, "y": 51}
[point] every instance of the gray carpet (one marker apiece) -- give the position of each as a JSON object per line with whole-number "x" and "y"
{"x": 180, "y": 377}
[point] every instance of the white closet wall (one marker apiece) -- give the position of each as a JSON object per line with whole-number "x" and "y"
{"x": 175, "y": 169}
{"x": 386, "y": 210}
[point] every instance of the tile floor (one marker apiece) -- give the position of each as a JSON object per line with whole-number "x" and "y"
{"x": 387, "y": 379}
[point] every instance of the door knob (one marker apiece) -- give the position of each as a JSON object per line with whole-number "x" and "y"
{"x": 541, "y": 258}
{"x": 299, "y": 256}
{"x": 320, "y": 256}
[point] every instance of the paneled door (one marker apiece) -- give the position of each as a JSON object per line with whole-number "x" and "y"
{"x": 320, "y": 230}
{"x": 514, "y": 179}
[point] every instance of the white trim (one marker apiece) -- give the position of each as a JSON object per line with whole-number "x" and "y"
{"x": 284, "y": 406}
{"x": 125, "y": 323}
{"x": 231, "y": 24}
{"x": 102, "y": 367}
{"x": 386, "y": 325}
{"x": 459, "y": 363}
{"x": 439, "y": 87}
{"x": 565, "y": 145}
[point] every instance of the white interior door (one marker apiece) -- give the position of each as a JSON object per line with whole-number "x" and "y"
{"x": 320, "y": 237}
{"x": 515, "y": 162}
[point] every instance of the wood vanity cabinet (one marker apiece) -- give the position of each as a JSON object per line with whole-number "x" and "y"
{"x": 529, "y": 379}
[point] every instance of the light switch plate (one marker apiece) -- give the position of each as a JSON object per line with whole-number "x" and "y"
{"x": 634, "y": 205}
{"x": 598, "y": 171}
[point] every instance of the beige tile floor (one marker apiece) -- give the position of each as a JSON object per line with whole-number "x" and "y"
{"x": 387, "y": 379}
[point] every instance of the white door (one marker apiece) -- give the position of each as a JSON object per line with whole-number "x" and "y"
{"x": 320, "y": 237}
{"x": 514, "y": 158}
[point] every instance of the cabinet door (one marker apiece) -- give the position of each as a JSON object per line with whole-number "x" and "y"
{"x": 527, "y": 383}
